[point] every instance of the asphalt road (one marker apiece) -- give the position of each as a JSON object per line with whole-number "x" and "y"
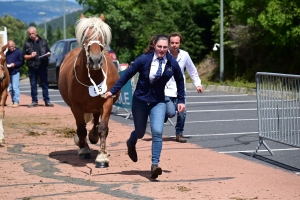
{"x": 221, "y": 121}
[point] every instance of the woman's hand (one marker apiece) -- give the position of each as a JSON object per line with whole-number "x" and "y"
{"x": 108, "y": 94}
{"x": 181, "y": 107}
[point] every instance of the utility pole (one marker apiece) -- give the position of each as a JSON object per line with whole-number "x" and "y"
{"x": 44, "y": 14}
{"x": 64, "y": 10}
{"x": 221, "y": 43}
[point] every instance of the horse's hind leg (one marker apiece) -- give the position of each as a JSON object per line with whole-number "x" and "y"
{"x": 94, "y": 134}
{"x": 102, "y": 158}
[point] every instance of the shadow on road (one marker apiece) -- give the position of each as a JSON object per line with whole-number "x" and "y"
{"x": 272, "y": 162}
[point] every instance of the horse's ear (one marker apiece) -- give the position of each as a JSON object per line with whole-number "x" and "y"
{"x": 81, "y": 16}
{"x": 4, "y": 47}
{"x": 102, "y": 17}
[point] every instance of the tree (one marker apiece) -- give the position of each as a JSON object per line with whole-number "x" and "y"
{"x": 134, "y": 22}
{"x": 16, "y": 30}
{"x": 58, "y": 34}
{"x": 50, "y": 35}
{"x": 70, "y": 32}
{"x": 260, "y": 36}
{"x": 32, "y": 24}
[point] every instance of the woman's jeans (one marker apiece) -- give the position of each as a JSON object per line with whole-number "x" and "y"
{"x": 140, "y": 112}
{"x": 171, "y": 104}
{"x": 14, "y": 88}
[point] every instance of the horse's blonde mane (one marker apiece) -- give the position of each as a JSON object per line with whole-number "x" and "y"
{"x": 99, "y": 27}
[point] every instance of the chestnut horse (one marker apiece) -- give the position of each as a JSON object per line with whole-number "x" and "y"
{"x": 4, "y": 82}
{"x": 86, "y": 73}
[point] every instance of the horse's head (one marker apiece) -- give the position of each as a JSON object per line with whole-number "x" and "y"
{"x": 94, "y": 35}
{"x": 2, "y": 62}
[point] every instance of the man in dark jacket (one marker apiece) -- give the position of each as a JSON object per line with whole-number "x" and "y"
{"x": 14, "y": 59}
{"x": 36, "y": 53}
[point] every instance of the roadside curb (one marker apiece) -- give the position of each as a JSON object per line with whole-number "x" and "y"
{"x": 223, "y": 88}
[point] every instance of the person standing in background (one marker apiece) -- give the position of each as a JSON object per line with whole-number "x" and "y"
{"x": 36, "y": 52}
{"x": 185, "y": 62}
{"x": 14, "y": 60}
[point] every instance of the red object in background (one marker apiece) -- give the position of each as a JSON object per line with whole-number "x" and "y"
{"x": 123, "y": 66}
{"x": 113, "y": 55}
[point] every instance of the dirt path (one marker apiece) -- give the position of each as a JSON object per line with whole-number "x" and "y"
{"x": 39, "y": 161}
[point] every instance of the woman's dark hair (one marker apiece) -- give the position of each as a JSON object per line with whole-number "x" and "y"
{"x": 160, "y": 37}
{"x": 153, "y": 41}
{"x": 150, "y": 46}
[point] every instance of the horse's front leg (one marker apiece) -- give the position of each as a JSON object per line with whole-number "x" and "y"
{"x": 84, "y": 151}
{"x": 102, "y": 158}
{"x": 2, "y": 113}
{"x": 94, "y": 134}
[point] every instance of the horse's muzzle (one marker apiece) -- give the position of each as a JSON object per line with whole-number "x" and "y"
{"x": 95, "y": 62}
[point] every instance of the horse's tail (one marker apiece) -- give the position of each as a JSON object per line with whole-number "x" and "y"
{"x": 88, "y": 117}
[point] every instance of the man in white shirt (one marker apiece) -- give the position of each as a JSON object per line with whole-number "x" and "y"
{"x": 185, "y": 62}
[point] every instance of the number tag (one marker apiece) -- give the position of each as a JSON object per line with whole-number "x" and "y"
{"x": 100, "y": 89}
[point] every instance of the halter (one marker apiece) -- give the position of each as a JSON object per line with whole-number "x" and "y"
{"x": 92, "y": 41}
{"x": 92, "y": 81}
{"x": 87, "y": 53}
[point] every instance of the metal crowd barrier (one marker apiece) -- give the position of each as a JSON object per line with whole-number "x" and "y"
{"x": 278, "y": 103}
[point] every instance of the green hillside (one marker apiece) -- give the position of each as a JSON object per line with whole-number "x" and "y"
{"x": 58, "y": 22}
{"x": 25, "y": 11}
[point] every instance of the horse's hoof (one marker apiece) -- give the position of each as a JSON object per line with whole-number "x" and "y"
{"x": 93, "y": 135}
{"x": 93, "y": 140}
{"x": 102, "y": 161}
{"x": 101, "y": 164}
{"x": 84, "y": 153}
{"x": 85, "y": 156}
{"x": 2, "y": 141}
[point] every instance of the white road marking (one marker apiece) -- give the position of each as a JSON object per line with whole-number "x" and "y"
{"x": 233, "y": 95}
{"x": 218, "y": 134}
{"x": 251, "y": 151}
{"x": 209, "y": 121}
{"x": 222, "y": 110}
{"x": 39, "y": 90}
{"x": 57, "y": 101}
{"x": 52, "y": 95}
{"x": 23, "y": 86}
{"x": 219, "y": 102}
{"x": 223, "y": 120}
